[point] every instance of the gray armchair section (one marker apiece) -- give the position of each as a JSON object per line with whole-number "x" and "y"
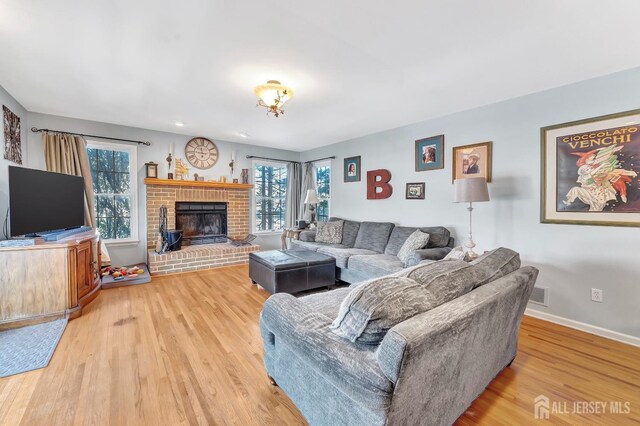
{"x": 383, "y": 240}
{"x": 426, "y": 371}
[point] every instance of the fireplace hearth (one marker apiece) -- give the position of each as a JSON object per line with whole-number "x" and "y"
{"x": 202, "y": 222}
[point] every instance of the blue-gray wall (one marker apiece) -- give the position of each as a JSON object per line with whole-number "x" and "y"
{"x": 8, "y": 100}
{"x": 572, "y": 259}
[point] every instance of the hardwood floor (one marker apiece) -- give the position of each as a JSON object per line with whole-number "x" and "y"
{"x": 186, "y": 349}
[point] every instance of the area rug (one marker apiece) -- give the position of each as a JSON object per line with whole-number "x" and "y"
{"x": 29, "y": 348}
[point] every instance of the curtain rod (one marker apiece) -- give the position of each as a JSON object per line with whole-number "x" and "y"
{"x": 36, "y": 130}
{"x": 273, "y": 159}
{"x": 333, "y": 157}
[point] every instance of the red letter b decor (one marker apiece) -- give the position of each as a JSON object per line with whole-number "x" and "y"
{"x": 378, "y": 186}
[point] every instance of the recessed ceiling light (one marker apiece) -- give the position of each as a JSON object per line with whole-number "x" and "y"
{"x": 179, "y": 123}
{"x": 629, "y": 123}
{"x": 243, "y": 135}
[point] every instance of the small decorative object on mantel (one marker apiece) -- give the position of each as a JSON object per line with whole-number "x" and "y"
{"x": 201, "y": 153}
{"x": 378, "y": 187}
{"x": 245, "y": 176}
{"x": 232, "y": 163}
{"x": 352, "y": 169}
{"x": 235, "y": 180}
{"x": 12, "y": 142}
{"x": 415, "y": 191}
{"x": 429, "y": 153}
{"x": 472, "y": 161}
{"x": 591, "y": 171}
{"x": 182, "y": 171}
{"x": 151, "y": 169}
{"x": 195, "y": 177}
{"x": 169, "y": 160}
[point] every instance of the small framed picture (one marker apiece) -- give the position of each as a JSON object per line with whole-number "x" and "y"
{"x": 471, "y": 161}
{"x": 352, "y": 169}
{"x": 415, "y": 191}
{"x": 430, "y": 153}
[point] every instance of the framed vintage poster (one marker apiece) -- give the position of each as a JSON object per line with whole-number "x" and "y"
{"x": 472, "y": 161}
{"x": 352, "y": 169}
{"x": 429, "y": 154}
{"x": 590, "y": 171}
{"x": 415, "y": 191}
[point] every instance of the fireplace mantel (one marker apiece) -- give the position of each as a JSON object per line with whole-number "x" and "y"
{"x": 193, "y": 183}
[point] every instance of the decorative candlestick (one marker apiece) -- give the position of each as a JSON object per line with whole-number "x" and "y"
{"x": 169, "y": 160}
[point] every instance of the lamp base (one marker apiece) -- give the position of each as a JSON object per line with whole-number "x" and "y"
{"x": 470, "y": 253}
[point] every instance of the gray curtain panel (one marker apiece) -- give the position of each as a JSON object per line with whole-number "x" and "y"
{"x": 294, "y": 190}
{"x": 68, "y": 154}
{"x": 308, "y": 182}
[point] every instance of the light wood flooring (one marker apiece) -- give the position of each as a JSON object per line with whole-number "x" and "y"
{"x": 186, "y": 349}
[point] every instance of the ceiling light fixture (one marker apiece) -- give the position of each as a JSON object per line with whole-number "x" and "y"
{"x": 179, "y": 123}
{"x": 272, "y": 96}
{"x": 243, "y": 135}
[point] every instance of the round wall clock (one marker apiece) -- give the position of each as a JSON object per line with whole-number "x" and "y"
{"x": 201, "y": 153}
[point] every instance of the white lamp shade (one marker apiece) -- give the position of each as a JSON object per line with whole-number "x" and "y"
{"x": 470, "y": 190}
{"x": 312, "y": 197}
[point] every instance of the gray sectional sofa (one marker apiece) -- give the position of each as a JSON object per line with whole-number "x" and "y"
{"x": 425, "y": 370}
{"x": 369, "y": 249}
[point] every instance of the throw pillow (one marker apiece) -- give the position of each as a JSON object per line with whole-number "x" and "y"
{"x": 330, "y": 232}
{"x": 456, "y": 253}
{"x": 416, "y": 240}
{"x": 374, "y": 307}
{"x": 497, "y": 263}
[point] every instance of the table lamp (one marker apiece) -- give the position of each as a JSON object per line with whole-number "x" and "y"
{"x": 312, "y": 200}
{"x": 470, "y": 190}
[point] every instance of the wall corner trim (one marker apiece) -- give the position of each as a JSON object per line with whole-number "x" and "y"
{"x": 588, "y": 328}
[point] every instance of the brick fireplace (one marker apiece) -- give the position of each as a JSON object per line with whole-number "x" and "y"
{"x": 204, "y": 210}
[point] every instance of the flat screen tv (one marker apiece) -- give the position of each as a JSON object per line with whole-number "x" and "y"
{"x": 44, "y": 201}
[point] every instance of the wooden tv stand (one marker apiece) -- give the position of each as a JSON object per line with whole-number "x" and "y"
{"x": 49, "y": 279}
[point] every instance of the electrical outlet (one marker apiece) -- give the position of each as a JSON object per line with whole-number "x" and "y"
{"x": 596, "y": 295}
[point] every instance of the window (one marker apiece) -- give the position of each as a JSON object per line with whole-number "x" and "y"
{"x": 113, "y": 169}
{"x": 323, "y": 183}
{"x": 270, "y": 180}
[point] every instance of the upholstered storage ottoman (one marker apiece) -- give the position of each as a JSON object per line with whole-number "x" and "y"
{"x": 291, "y": 271}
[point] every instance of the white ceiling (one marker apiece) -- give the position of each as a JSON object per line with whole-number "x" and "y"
{"x": 357, "y": 66}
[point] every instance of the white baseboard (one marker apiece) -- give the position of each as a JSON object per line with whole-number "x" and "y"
{"x": 592, "y": 329}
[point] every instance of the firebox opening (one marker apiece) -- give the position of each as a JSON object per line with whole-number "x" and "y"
{"x": 202, "y": 222}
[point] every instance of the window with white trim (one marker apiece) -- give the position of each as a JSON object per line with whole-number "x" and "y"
{"x": 113, "y": 169}
{"x": 323, "y": 185}
{"x": 270, "y": 181}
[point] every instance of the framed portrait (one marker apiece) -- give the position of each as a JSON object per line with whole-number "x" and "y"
{"x": 472, "y": 161}
{"x": 415, "y": 191}
{"x": 590, "y": 171}
{"x": 430, "y": 153}
{"x": 352, "y": 169}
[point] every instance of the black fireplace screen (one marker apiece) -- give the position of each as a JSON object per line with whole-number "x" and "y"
{"x": 202, "y": 222}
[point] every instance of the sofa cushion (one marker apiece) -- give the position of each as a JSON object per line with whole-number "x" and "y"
{"x": 456, "y": 253}
{"x": 311, "y": 245}
{"x": 373, "y": 236}
{"x": 374, "y": 307}
{"x": 416, "y": 240}
{"x": 342, "y": 255}
{"x": 375, "y": 265}
{"x": 438, "y": 237}
{"x": 349, "y": 231}
{"x": 330, "y": 232}
{"x": 327, "y": 303}
{"x": 497, "y": 263}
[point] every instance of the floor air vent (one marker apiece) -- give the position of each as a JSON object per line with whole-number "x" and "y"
{"x": 540, "y": 296}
